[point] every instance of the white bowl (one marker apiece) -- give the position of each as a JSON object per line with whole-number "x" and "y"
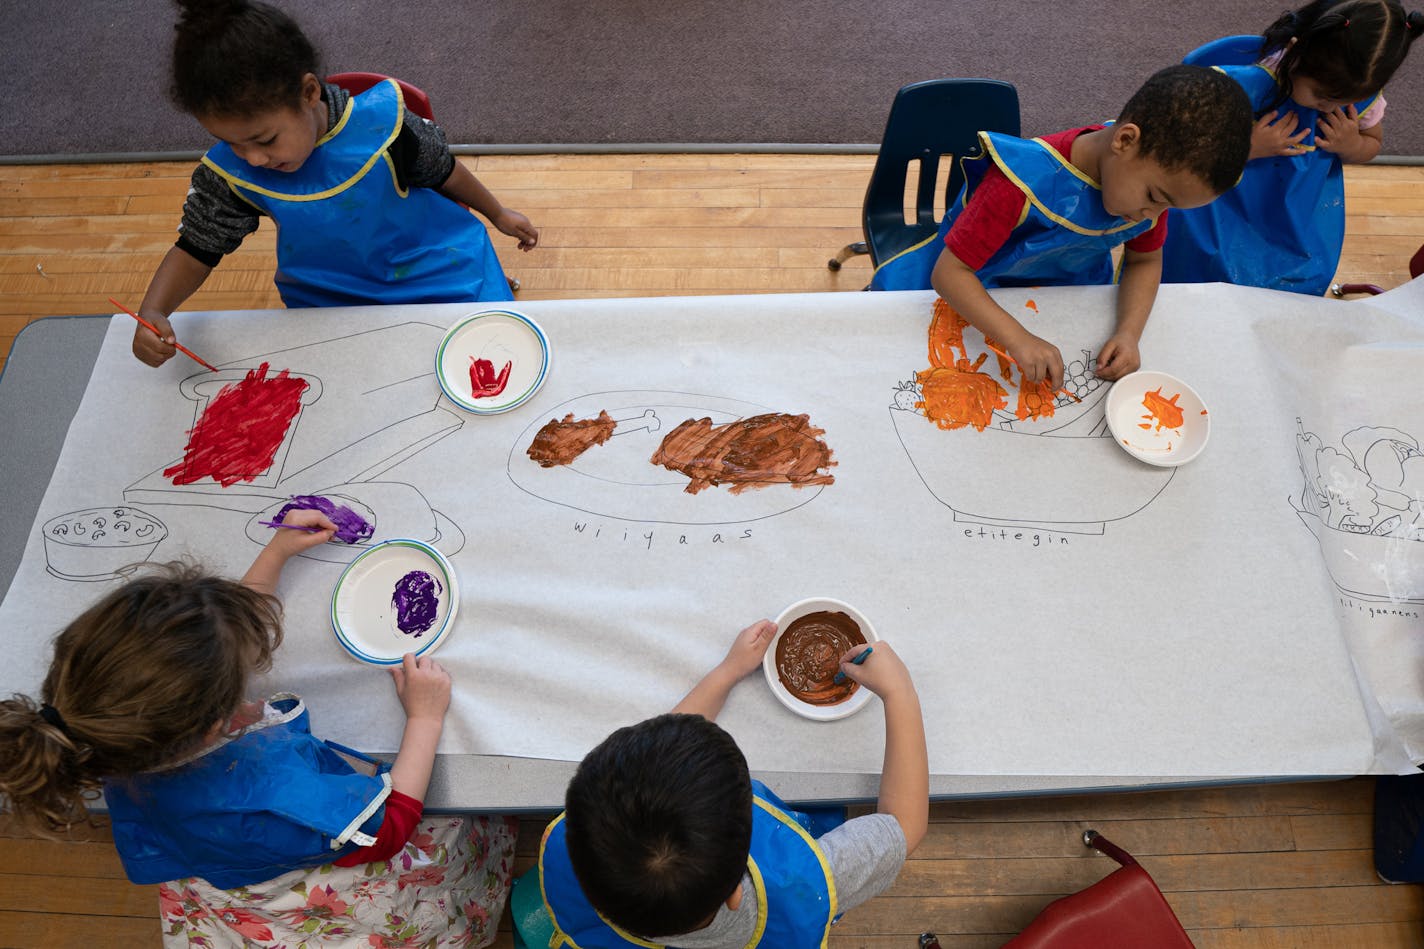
{"x": 1145, "y": 435}
{"x": 363, "y": 616}
{"x": 820, "y": 713}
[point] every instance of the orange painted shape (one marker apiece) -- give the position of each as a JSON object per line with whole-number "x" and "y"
{"x": 1035, "y": 399}
{"x": 1029, "y": 304}
{"x": 1164, "y": 411}
{"x": 946, "y": 336}
{"x": 959, "y": 397}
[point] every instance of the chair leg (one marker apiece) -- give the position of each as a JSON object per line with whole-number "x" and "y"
{"x": 929, "y": 941}
{"x": 1341, "y": 289}
{"x": 513, "y": 284}
{"x": 847, "y": 252}
{"x": 1091, "y": 838}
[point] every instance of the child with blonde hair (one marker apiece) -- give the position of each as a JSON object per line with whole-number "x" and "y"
{"x": 259, "y": 833}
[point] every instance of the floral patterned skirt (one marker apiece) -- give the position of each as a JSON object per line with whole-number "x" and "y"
{"x": 445, "y": 889}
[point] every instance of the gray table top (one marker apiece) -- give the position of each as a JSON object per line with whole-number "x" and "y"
{"x": 41, "y": 387}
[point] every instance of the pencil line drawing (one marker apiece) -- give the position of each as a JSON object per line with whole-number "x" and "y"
{"x": 1003, "y": 467}
{"x": 1364, "y": 502}
{"x": 596, "y": 454}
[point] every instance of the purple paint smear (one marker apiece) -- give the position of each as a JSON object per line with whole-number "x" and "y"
{"x": 351, "y": 527}
{"x": 417, "y": 602}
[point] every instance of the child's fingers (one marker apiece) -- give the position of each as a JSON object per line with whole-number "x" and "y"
{"x": 398, "y": 677}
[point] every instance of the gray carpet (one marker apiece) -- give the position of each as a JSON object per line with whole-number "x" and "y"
{"x": 88, "y": 77}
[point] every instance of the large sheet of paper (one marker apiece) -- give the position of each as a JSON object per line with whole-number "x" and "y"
{"x": 1065, "y": 609}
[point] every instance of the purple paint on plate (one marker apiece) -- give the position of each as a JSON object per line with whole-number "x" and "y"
{"x": 417, "y": 602}
{"x": 351, "y": 528}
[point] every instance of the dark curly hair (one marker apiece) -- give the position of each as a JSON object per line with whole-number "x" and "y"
{"x": 235, "y": 58}
{"x": 1195, "y": 118}
{"x": 658, "y": 820}
{"x": 1350, "y": 48}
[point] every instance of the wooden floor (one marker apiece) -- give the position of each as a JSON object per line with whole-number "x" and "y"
{"x": 1263, "y": 867}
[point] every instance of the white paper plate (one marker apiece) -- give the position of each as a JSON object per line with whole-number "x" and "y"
{"x": 363, "y": 614}
{"x": 500, "y": 336}
{"x": 821, "y": 713}
{"x": 1143, "y": 434}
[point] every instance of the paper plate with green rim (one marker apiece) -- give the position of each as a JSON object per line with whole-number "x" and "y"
{"x": 398, "y": 597}
{"x": 492, "y": 361}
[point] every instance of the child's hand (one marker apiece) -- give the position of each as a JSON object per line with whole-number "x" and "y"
{"x": 748, "y": 648}
{"x": 1038, "y": 358}
{"x": 882, "y": 672}
{"x": 423, "y": 687}
{"x": 1339, "y": 131}
{"x": 151, "y": 349}
{"x": 517, "y": 225}
{"x": 290, "y": 543}
{"x": 1271, "y": 138}
{"x": 1118, "y": 357}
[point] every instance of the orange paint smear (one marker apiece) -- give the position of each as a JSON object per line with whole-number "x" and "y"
{"x": 960, "y": 397}
{"x": 946, "y": 336}
{"x": 1164, "y": 411}
{"x": 1029, "y": 304}
{"x": 1035, "y": 399}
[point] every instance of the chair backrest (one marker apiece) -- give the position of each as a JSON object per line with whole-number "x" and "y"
{"x": 929, "y": 120}
{"x": 356, "y": 82}
{"x": 1227, "y": 51}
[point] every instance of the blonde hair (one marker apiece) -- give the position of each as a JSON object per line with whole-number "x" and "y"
{"x": 137, "y": 679}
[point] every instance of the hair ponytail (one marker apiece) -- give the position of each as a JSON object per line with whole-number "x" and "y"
{"x": 44, "y": 778}
{"x": 1348, "y": 48}
{"x": 138, "y": 679}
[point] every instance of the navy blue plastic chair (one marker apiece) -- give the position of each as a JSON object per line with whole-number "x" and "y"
{"x": 928, "y": 120}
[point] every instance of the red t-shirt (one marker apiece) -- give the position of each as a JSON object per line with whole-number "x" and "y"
{"x": 995, "y": 206}
{"x": 402, "y": 814}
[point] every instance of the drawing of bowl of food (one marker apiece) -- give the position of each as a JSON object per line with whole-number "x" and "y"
{"x": 1002, "y": 451}
{"x": 95, "y": 543}
{"x": 803, "y": 660}
{"x": 1157, "y": 418}
{"x": 1364, "y": 502}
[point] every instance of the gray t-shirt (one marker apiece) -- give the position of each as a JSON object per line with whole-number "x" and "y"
{"x": 865, "y": 856}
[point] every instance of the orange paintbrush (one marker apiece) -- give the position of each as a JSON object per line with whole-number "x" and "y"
{"x": 154, "y": 330}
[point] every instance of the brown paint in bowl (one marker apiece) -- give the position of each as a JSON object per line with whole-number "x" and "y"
{"x": 808, "y": 656}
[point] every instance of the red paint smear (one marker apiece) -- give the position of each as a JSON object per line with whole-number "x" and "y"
{"x": 483, "y": 382}
{"x": 240, "y": 431}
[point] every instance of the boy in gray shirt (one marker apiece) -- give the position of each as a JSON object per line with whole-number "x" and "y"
{"x": 664, "y": 832}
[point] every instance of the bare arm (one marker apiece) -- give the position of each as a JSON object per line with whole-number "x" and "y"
{"x": 905, "y": 774}
{"x": 1136, "y": 292}
{"x": 423, "y": 687}
{"x": 177, "y": 278}
{"x": 710, "y": 693}
{"x": 961, "y": 289}
{"x": 266, "y": 570}
{"x": 465, "y": 188}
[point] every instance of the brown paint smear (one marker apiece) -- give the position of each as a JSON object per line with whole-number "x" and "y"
{"x": 749, "y": 453}
{"x": 808, "y": 656}
{"x": 559, "y": 443}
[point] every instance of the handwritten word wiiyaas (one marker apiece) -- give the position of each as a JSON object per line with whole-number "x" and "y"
{"x": 644, "y": 538}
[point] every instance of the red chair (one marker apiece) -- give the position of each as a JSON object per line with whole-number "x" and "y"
{"x": 357, "y": 82}
{"x": 1124, "y": 910}
{"x": 1416, "y": 267}
{"x": 415, "y": 100}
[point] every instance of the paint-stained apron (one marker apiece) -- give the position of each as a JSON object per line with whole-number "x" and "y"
{"x": 1064, "y": 238}
{"x": 349, "y": 235}
{"x": 1283, "y": 224}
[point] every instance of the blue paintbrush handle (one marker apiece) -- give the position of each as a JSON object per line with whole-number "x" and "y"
{"x": 864, "y": 655}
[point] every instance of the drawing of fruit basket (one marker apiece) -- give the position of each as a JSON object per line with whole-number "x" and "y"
{"x": 1002, "y": 452}
{"x": 1364, "y": 502}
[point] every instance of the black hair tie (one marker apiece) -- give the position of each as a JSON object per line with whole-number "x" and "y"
{"x": 51, "y": 714}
